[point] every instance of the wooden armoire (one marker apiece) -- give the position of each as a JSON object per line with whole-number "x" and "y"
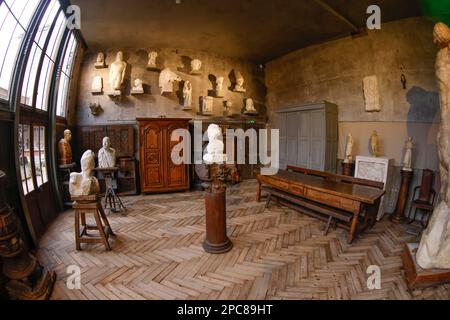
{"x": 158, "y": 172}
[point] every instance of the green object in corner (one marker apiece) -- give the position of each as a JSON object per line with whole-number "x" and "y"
{"x": 438, "y": 10}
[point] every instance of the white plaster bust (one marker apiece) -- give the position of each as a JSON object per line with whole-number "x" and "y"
{"x": 239, "y": 85}
{"x": 106, "y": 155}
{"x": 97, "y": 85}
{"x": 137, "y": 87}
{"x": 196, "y": 65}
{"x": 434, "y": 248}
{"x": 117, "y": 72}
{"x": 166, "y": 79}
{"x": 219, "y": 87}
{"x": 349, "y": 149}
{"x": 407, "y": 159}
{"x": 100, "y": 61}
{"x": 214, "y": 150}
{"x": 152, "y": 59}
{"x": 250, "y": 107}
{"x": 187, "y": 95}
{"x": 84, "y": 183}
{"x": 375, "y": 144}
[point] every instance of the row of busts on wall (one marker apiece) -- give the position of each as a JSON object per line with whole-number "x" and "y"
{"x": 375, "y": 150}
{"x": 166, "y": 83}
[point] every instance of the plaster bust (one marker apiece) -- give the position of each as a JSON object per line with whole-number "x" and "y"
{"x": 196, "y": 65}
{"x": 100, "y": 61}
{"x": 250, "y": 107}
{"x": 349, "y": 149}
{"x": 214, "y": 150}
{"x": 84, "y": 183}
{"x": 65, "y": 150}
{"x": 152, "y": 60}
{"x": 117, "y": 72}
{"x": 219, "y": 87}
{"x": 239, "y": 85}
{"x": 166, "y": 79}
{"x": 137, "y": 87}
{"x": 106, "y": 155}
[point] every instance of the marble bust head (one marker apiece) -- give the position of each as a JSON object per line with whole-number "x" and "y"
{"x": 441, "y": 35}
{"x": 106, "y": 155}
{"x": 196, "y": 65}
{"x": 214, "y": 150}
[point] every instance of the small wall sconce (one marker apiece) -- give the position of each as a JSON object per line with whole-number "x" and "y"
{"x": 95, "y": 109}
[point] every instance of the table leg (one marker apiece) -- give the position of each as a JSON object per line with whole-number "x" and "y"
{"x": 354, "y": 225}
{"x": 258, "y": 194}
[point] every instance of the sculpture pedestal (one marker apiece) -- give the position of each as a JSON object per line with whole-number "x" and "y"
{"x": 115, "y": 204}
{"x": 348, "y": 169}
{"x": 64, "y": 176}
{"x": 416, "y": 277}
{"x": 216, "y": 222}
{"x": 398, "y": 216}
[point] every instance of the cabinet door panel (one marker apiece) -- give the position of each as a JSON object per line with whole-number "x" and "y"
{"x": 304, "y": 139}
{"x": 292, "y": 138}
{"x": 176, "y": 175}
{"x": 152, "y": 156}
{"x": 317, "y": 156}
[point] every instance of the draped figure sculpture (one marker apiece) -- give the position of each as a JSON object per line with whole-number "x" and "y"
{"x": 434, "y": 248}
{"x": 117, "y": 72}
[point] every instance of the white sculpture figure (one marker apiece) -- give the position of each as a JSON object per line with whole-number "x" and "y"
{"x": 250, "y": 107}
{"x": 214, "y": 150}
{"x": 166, "y": 79}
{"x": 219, "y": 87}
{"x": 349, "y": 149}
{"x": 106, "y": 155}
{"x": 239, "y": 85}
{"x": 84, "y": 183}
{"x": 372, "y": 97}
{"x": 207, "y": 105}
{"x": 117, "y": 73}
{"x": 97, "y": 85}
{"x": 137, "y": 87}
{"x": 434, "y": 248}
{"x": 375, "y": 144}
{"x": 196, "y": 65}
{"x": 407, "y": 160}
{"x": 151, "y": 65}
{"x": 187, "y": 95}
{"x": 100, "y": 62}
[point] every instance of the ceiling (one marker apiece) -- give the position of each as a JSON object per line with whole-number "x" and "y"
{"x": 255, "y": 30}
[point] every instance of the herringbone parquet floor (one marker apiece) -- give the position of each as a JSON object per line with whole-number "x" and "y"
{"x": 277, "y": 254}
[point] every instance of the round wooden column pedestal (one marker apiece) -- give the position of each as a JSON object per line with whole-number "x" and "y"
{"x": 216, "y": 222}
{"x": 348, "y": 169}
{"x": 398, "y": 216}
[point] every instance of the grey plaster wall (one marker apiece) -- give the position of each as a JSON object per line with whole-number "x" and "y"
{"x": 152, "y": 104}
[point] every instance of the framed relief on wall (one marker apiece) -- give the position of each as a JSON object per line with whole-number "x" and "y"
{"x": 375, "y": 169}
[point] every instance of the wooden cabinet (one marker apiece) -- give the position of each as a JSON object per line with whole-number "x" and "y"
{"x": 309, "y": 136}
{"x": 158, "y": 172}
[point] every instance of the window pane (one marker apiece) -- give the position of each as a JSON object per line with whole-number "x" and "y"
{"x": 29, "y": 79}
{"x": 56, "y": 36}
{"x": 69, "y": 56}
{"x": 46, "y": 23}
{"x": 39, "y": 154}
{"x": 23, "y": 10}
{"x": 25, "y": 158}
{"x": 63, "y": 91}
{"x": 44, "y": 84}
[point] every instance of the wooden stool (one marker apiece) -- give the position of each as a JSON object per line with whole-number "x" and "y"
{"x": 90, "y": 204}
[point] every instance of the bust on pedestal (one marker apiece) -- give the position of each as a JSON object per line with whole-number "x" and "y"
{"x": 215, "y": 176}
{"x": 65, "y": 150}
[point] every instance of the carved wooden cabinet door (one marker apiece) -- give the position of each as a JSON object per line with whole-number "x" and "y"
{"x": 152, "y": 156}
{"x": 176, "y": 173}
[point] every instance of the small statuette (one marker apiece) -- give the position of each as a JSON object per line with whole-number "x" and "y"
{"x": 100, "y": 62}
{"x": 239, "y": 85}
{"x": 187, "y": 95}
{"x": 65, "y": 150}
{"x": 407, "y": 159}
{"x": 349, "y": 149}
{"x": 151, "y": 65}
{"x": 250, "y": 107}
{"x": 375, "y": 144}
{"x": 219, "y": 87}
{"x": 196, "y": 66}
{"x": 137, "y": 87}
{"x": 207, "y": 106}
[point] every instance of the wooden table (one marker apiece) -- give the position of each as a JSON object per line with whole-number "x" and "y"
{"x": 329, "y": 198}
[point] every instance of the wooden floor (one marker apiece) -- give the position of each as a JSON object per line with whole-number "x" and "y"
{"x": 277, "y": 254}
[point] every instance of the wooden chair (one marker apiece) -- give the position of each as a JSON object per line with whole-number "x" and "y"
{"x": 425, "y": 199}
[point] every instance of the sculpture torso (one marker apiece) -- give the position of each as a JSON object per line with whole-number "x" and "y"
{"x": 107, "y": 158}
{"x": 116, "y": 74}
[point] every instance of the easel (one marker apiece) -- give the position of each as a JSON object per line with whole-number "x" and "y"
{"x": 111, "y": 198}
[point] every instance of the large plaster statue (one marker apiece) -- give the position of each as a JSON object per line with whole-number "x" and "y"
{"x": 137, "y": 87}
{"x": 196, "y": 66}
{"x": 349, "y": 149}
{"x": 187, "y": 95}
{"x": 407, "y": 159}
{"x": 65, "y": 150}
{"x": 375, "y": 144}
{"x": 106, "y": 155}
{"x": 100, "y": 62}
{"x": 151, "y": 65}
{"x": 84, "y": 183}
{"x": 250, "y": 107}
{"x": 219, "y": 87}
{"x": 97, "y": 85}
{"x": 434, "y": 248}
{"x": 117, "y": 72}
{"x": 214, "y": 150}
{"x": 239, "y": 85}
{"x": 166, "y": 79}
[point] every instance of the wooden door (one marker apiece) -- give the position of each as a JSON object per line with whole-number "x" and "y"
{"x": 317, "y": 156}
{"x": 176, "y": 174}
{"x": 304, "y": 139}
{"x": 152, "y": 151}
